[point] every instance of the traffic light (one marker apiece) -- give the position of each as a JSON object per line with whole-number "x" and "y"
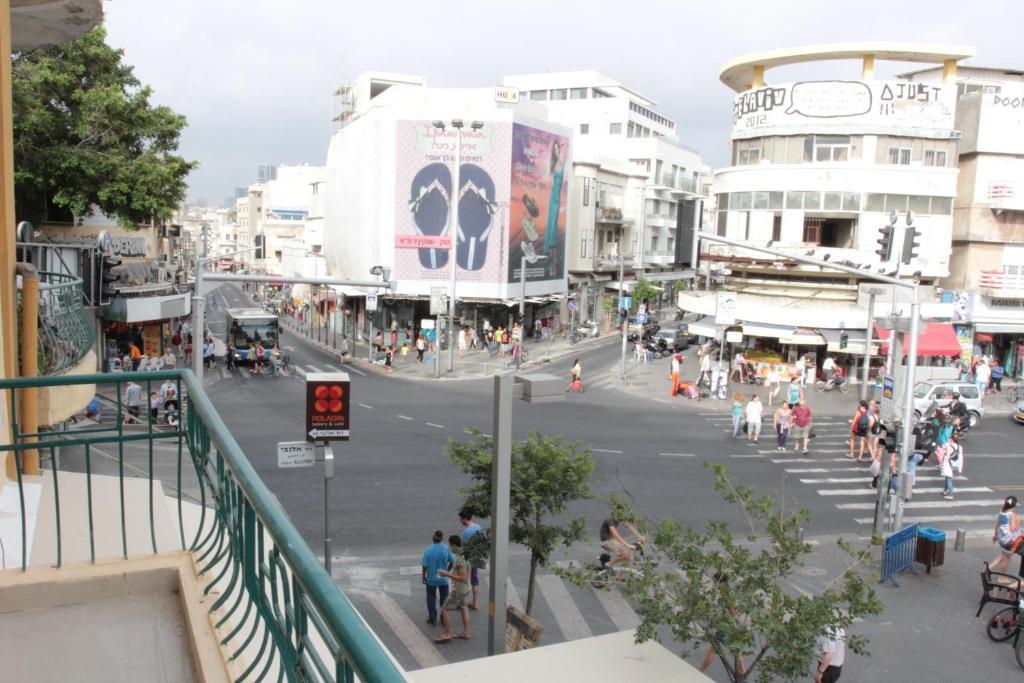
{"x": 885, "y": 242}
{"x": 107, "y": 278}
{"x": 844, "y": 340}
{"x": 910, "y": 244}
{"x": 258, "y": 242}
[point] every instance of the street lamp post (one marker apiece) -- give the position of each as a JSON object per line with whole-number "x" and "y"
{"x": 522, "y": 306}
{"x": 453, "y": 230}
{"x": 625, "y": 322}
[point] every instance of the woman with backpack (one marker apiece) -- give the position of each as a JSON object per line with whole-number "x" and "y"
{"x": 1008, "y": 535}
{"x": 951, "y": 464}
{"x": 859, "y": 430}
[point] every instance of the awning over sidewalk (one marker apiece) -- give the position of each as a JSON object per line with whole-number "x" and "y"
{"x": 935, "y": 339}
{"x": 1000, "y": 328}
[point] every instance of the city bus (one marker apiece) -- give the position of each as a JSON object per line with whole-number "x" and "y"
{"x": 246, "y": 326}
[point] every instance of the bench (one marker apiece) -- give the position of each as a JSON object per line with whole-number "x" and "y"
{"x": 1002, "y": 589}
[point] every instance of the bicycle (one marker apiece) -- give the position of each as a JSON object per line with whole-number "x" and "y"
{"x": 604, "y": 575}
{"x": 285, "y": 366}
{"x": 1014, "y": 393}
{"x": 833, "y": 384}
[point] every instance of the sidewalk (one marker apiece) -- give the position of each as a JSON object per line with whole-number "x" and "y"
{"x": 474, "y": 365}
{"x": 928, "y": 630}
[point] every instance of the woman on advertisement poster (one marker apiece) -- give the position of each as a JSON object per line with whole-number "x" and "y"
{"x": 557, "y": 169}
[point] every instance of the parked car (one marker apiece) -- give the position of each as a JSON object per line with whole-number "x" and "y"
{"x": 646, "y": 329}
{"x": 677, "y": 340}
{"x": 939, "y": 393}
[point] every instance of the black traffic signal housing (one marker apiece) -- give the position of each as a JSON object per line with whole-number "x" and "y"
{"x": 107, "y": 263}
{"x": 258, "y": 242}
{"x": 844, "y": 341}
{"x": 885, "y": 237}
{"x": 910, "y": 245}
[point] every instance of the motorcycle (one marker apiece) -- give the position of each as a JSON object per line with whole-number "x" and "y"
{"x": 657, "y": 346}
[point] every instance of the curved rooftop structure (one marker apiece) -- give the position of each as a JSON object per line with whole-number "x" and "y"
{"x": 746, "y": 72}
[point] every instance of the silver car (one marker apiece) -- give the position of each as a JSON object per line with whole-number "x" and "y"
{"x": 940, "y": 394}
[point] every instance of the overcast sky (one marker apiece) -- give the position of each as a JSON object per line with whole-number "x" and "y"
{"x": 255, "y": 77}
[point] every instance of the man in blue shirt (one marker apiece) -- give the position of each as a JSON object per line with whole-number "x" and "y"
{"x": 469, "y": 530}
{"x": 436, "y": 557}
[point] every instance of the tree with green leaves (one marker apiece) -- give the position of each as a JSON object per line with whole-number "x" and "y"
{"x": 547, "y": 475}
{"x": 725, "y": 593}
{"x": 86, "y": 134}
{"x": 644, "y": 290}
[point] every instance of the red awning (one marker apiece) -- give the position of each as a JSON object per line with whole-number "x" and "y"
{"x": 935, "y": 339}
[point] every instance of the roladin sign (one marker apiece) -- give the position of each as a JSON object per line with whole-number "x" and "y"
{"x": 328, "y": 399}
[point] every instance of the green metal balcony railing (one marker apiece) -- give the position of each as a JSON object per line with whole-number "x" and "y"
{"x": 65, "y": 326}
{"x": 276, "y": 603}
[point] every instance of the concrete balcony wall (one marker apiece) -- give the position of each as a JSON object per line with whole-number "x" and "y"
{"x": 57, "y": 404}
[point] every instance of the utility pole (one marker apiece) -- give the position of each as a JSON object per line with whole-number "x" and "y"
{"x": 625, "y": 322}
{"x": 869, "y": 329}
{"x": 501, "y": 477}
{"x": 908, "y": 406}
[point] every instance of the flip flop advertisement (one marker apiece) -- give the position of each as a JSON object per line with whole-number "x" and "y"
{"x": 539, "y": 202}
{"x": 425, "y": 195}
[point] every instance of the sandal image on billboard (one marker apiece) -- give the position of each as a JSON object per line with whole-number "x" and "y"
{"x": 476, "y": 207}
{"x": 430, "y": 197}
{"x": 531, "y": 206}
{"x": 529, "y": 228}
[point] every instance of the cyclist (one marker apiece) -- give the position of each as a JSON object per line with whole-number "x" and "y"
{"x": 613, "y": 542}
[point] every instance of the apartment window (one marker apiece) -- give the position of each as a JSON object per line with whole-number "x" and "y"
{"x": 538, "y": 94}
{"x": 751, "y": 155}
{"x": 898, "y": 155}
{"x": 615, "y": 129}
{"x": 723, "y": 201}
{"x": 812, "y": 200}
{"x": 740, "y": 200}
{"x": 935, "y": 157}
{"x": 654, "y": 244}
{"x": 644, "y": 164}
{"x": 584, "y": 129}
{"x": 578, "y": 94}
{"x": 794, "y": 200}
{"x": 942, "y": 206}
{"x": 723, "y": 217}
{"x": 875, "y": 202}
{"x": 559, "y": 94}
{"x": 630, "y": 130}
{"x": 760, "y": 200}
{"x": 812, "y": 229}
{"x": 671, "y": 244}
{"x": 851, "y": 201}
{"x": 896, "y": 201}
{"x": 826, "y": 148}
{"x": 586, "y": 192}
{"x": 583, "y": 243}
{"x": 777, "y": 227}
{"x": 833, "y": 201}
{"x": 920, "y": 205}
{"x": 775, "y": 200}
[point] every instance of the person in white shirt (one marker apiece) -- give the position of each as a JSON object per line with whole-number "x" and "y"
{"x": 982, "y": 375}
{"x": 771, "y": 383}
{"x": 801, "y": 370}
{"x": 831, "y": 650}
{"x": 828, "y": 368}
{"x": 739, "y": 364}
{"x": 754, "y": 411}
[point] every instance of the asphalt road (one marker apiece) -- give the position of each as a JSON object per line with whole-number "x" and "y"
{"x": 395, "y": 484}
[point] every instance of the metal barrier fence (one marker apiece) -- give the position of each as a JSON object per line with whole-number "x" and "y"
{"x": 277, "y": 604}
{"x": 898, "y": 553}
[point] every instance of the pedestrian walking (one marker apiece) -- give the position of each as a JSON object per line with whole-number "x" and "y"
{"x": 1008, "y": 535}
{"x": 188, "y": 350}
{"x": 801, "y": 370}
{"x": 169, "y": 360}
{"x": 575, "y": 377}
{"x": 783, "y": 420}
{"x": 674, "y": 375}
{"x": 737, "y": 414}
{"x": 771, "y": 383}
{"x": 463, "y": 342}
{"x": 421, "y": 346}
{"x": 154, "y": 405}
{"x": 469, "y": 530}
{"x": 405, "y": 351}
{"x": 830, "y": 648}
{"x": 133, "y": 398}
{"x": 389, "y": 357}
{"x": 176, "y": 341}
{"x": 458, "y": 594}
{"x": 982, "y": 375}
{"x": 859, "y": 430}
{"x": 795, "y": 392}
{"x": 874, "y": 427}
{"x": 998, "y": 372}
{"x": 754, "y": 413}
{"x": 803, "y": 421}
{"x": 951, "y": 464}
{"x": 738, "y": 363}
{"x": 207, "y": 353}
{"x": 437, "y": 557}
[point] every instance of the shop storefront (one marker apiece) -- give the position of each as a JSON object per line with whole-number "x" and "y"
{"x": 148, "y": 322}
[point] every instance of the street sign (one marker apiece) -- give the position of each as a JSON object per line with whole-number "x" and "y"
{"x": 725, "y": 308}
{"x": 641, "y": 317}
{"x": 573, "y": 306}
{"x": 296, "y": 454}
{"x": 437, "y": 300}
{"x": 626, "y": 302}
{"x": 328, "y": 399}
{"x": 734, "y": 337}
{"x": 371, "y": 302}
{"x": 888, "y": 405}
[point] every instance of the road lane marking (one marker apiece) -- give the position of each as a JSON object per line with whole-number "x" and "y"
{"x": 817, "y": 470}
{"x": 567, "y": 614}
{"x": 605, "y": 450}
{"x": 619, "y": 611}
{"x": 354, "y": 369}
{"x": 363, "y": 405}
{"x": 313, "y": 368}
{"x": 405, "y": 417}
{"x": 679, "y": 455}
{"x": 929, "y": 504}
{"x": 747, "y": 455}
{"x": 936, "y": 518}
{"x": 808, "y": 458}
{"x": 431, "y": 424}
{"x": 244, "y": 373}
{"x": 422, "y": 650}
{"x": 853, "y": 480}
{"x": 917, "y": 491}
{"x": 225, "y": 373}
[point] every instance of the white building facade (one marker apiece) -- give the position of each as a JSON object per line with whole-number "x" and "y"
{"x": 392, "y": 189}
{"x": 634, "y": 185}
{"x": 817, "y": 168}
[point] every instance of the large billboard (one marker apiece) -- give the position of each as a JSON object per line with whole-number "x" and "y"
{"x": 425, "y": 177}
{"x": 814, "y": 106}
{"x": 538, "y": 204}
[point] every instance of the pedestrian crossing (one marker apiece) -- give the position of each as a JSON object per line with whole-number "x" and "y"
{"x": 846, "y": 485}
{"x": 391, "y": 599}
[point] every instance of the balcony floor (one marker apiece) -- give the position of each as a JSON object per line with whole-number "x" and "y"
{"x": 133, "y": 638}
